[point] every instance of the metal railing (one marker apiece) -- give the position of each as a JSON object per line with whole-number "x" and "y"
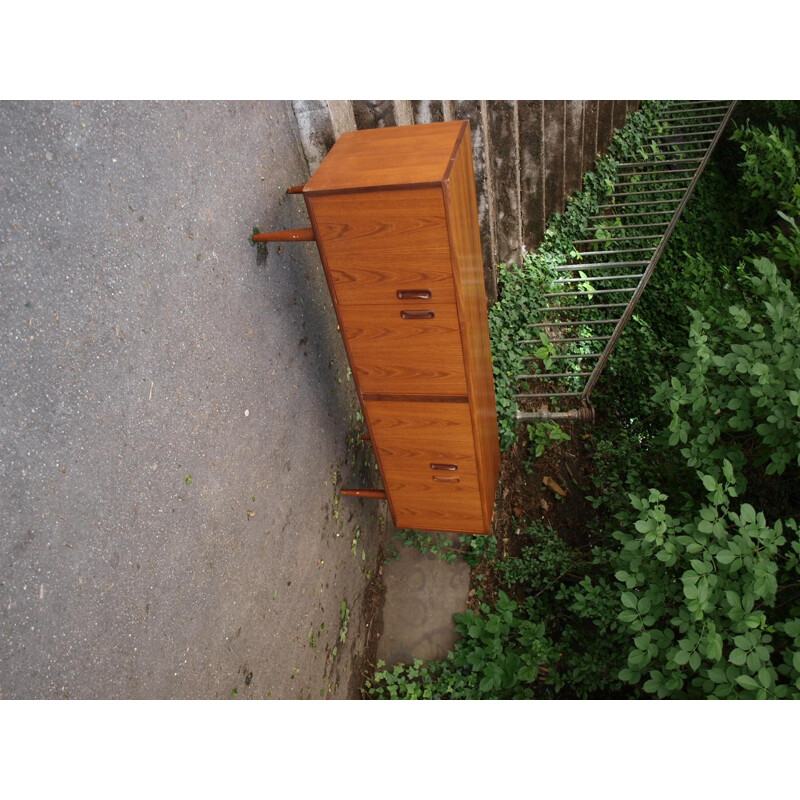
{"x": 595, "y": 322}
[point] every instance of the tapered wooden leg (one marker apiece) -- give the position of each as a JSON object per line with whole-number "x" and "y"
{"x": 295, "y": 190}
{"x": 295, "y": 235}
{"x": 374, "y": 494}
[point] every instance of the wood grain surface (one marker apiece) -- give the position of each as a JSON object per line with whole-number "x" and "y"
{"x": 410, "y": 154}
{"x": 394, "y": 211}
{"x": 379, "y": 242}
{"x": 410, "y": 438}
{"x": 405, "y": 356}
{"x": 465, "y": 248}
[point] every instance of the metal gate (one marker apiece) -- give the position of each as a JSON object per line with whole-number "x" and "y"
{"x": 594, "y": 297}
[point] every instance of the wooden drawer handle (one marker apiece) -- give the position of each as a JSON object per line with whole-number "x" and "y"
{"x": 446, "y": 479}
{"x": 417, "y": 314}
{"x": 414, "y": 294}
{"x": 448, "y": 467}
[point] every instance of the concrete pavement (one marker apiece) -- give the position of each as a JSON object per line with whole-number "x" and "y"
{"x": 176, "y": 414}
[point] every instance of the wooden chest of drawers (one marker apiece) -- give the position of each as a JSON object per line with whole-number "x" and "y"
{"x": 394, "y": 214}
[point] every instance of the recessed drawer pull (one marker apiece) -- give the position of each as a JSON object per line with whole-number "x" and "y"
{"x": 446, "y": 479}
{"x": 414, "y": 294}
{"x": 417, "y": 314}
{"x": 448, "y": 467}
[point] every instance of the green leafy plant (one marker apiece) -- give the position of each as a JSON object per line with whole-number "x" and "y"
{"x": 448, "y": 548}
{"x": 542, "y": 435}
{"x": 521, "y": 287}
{"x": 541, "y": 564}
{"x": 440, "y": 544}
{"x": 700, "y": 598}
{"x": 737, "y": 391}
{"x": 521, "y": 291}
{"x": 686, "y": 584}
{"x": 344, "y": 622}
{"x": 478, "y": 549}
{"x": 414, "y": 681}
{"x": 497, "y": 656}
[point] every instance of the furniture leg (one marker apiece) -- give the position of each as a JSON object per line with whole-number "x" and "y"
{"x": 375, "y": 494}
{"x": 294, "y": 235}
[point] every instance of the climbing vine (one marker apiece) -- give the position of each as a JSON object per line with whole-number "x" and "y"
{"x": 521, "y": 286}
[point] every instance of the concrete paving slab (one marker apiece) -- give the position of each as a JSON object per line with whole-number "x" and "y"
{"x": 422, "y": 594}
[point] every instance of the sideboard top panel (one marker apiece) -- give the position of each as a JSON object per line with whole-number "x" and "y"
{"x": 380, "y": 158}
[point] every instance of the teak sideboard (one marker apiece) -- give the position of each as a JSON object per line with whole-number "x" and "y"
{"x": 394, "y": 214}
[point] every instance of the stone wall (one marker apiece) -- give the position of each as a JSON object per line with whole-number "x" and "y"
{"x": 529, "y": 155}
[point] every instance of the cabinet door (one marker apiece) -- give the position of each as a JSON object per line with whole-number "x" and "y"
{"x": 427, "y": 456}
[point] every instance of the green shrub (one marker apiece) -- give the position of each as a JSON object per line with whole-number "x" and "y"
{"x": 703, "y": 582}
{"x": 736, "y": 394}
{"x": 542, "y": 564}
{"x": 520, "y": 287}
{"x": 700, "y": 599}
{"x": 496, "y": 657}
{"x": 771, "y": 165}
{"x": 541, "y": 436}
{"x": 690, "y": 589}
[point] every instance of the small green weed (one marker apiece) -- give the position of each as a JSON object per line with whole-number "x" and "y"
{"x": 497, "y": 656}
{"x": 475, "y": 549}
{"x": 345, "y": 620}
{"x": 541, "y": 436}
{"x": 541, "y": 564}
{"x": 471, "y": 548}
{"x": 439, "y": 544}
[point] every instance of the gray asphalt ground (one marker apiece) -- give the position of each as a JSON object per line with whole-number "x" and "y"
{"x": 176, "y": 413}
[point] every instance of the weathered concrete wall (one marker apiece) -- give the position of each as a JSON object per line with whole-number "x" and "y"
{"x": 529, "y": 155}
{"x": 504, "y": 175}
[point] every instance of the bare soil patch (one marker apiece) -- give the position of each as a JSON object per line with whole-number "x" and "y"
{"x": 529, "y": 491}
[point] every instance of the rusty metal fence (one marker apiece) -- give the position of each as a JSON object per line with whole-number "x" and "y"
{"x": 595, "y": 295}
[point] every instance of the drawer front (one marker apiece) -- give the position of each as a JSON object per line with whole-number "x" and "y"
{"x": 427, "y": 455}
{"x": 411, "y": 348}
{"x": 423, "y": 505}
{"x": 376, "y": 244}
